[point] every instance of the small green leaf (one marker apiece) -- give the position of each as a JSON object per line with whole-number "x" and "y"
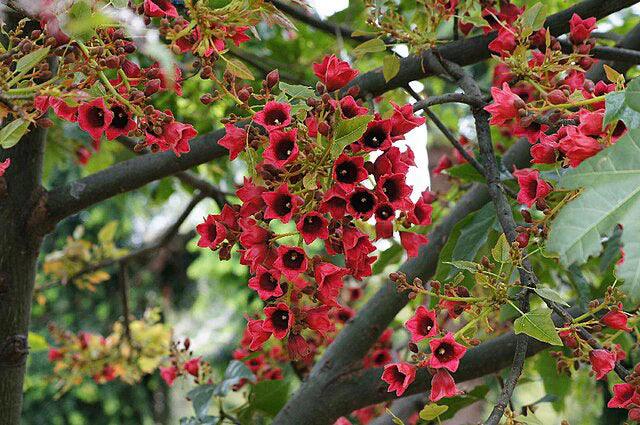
{"x": 296, "y": 91}
{"x": 11, "y": 134}
{"x": 432, "y": 411}
{"x": 236, "y": 371}
{"x": 502, "y": 251}
{"x": 464, "y": 265}
{"x": 632, "y": 96}
{"x": 550, "y": 294}
{"x": 201, "y": 399}
{"x": 396, "y": 420}
{"x": 239, "y": 69}
{"x": 36, "y": 342}
{"x": 612, "y": 75}
{"x": 539, "y": 325}
{"x": 370, "y": 46}
{"x": 348, "y": 131}
{"x": 309, "y": 181}
{"x": 108, "y": 232}
{"x": 390, "y": 67}
{"x": 534, "y": 17}
{"x": 30, "y": 60}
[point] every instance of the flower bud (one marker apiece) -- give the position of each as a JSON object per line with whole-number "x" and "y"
{"x": 522, "y": 239}
{"x": 324, "y": 128}
{"x": 244, "y": 95}
{"x": 556, "y": 97}
{"x": 273, "y": 78}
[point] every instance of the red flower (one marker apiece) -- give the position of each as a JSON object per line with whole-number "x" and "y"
{"x": 313, "y": 226}
{"x": 444, "y": 163}
{"x": 393, "y": 161}
{"x": 504, "y": 43}
{"x": 281, "y": 204}
{"x": 317, "y": 318}
{"x": 545, "y": 152}
{"x": 257, "y": 334}
{"x": 329, "y": 279}
{"x": 399, "y": 376}
{"x": 412, "y": 242}
{"x": 121, "y": 125}
{"x": 177, "y": 136}
{"x": 335, "y": 202}
{"x": 238, "y": 35}
{"x": 602, "y": 362}
{"x": 192, "y": 366}
{"x": 282, "y": 148}
{"x": 266, "y": 283}
{"x": 251, "y": 197}
{"x": 212, "y": 232}
{"x": 422, "y": 325}
{"x": 403, "y": 120}
{"x": 64, "y": 111}
{"x": 395, "y": 190}
{"x": 361, "y": 203}
{"x": 421, "y": 213}
{"x": 443, "y": 385}
{"x": 377, "y": 136}
{"x": 385, "y": 214}
{"x": 349, "y": 170}
{"x": 446, "y": 353}
{"x": 274, "y": 116}
{"x": 580, "y": 29}
{"x": 349, "y": 108}
{"x": 94, "y": 117}
{"x": 291, "y": 261}
{"x": 505, "y": 106}
{"x": 616, "y": 319}
{"x": 168, "y": 374}
{"x": 256, "y": 243}
{"x": 577, "y": 147}
{"x": 379, "y": 358}
{"x": 591, "y": 122}
{"x": 333, "y": 72}
{"x": 298, "y": 347}
{"x": 279, "y": 320}
{"x": 4, "y": 165}
{"x": 160, "y": 8}
{"x": 55, "y": 354}
{"x": 634, "y": 414}
{"x": 532, "y": 187}
{"x": 624, "y": 395}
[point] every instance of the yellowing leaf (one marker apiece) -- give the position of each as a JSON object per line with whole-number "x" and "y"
{"x": 390, "y": 67}
{"x": 239, "y": 69}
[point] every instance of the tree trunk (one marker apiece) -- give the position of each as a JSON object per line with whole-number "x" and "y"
{"x": 20, "y": 195}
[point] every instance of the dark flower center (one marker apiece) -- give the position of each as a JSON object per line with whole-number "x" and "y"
{"x": 282, "y": 205}
{"x": 293, "y": 259}
{"x": 374, "y": 137}
{"x": 384, "y": 212}
{"x": 280, "y": 319}
{"x": 284, "y": 149}
{"x": 344, "y": 315}
{"x": 444, "y": 352}
{"x": 398, "y": 376}
{"x": 391, "y": 189}
{"x": 96, "y": 117}
{"x": 380, "y": 358}
{"x": 267, "y": 282}
{"x": 349, "y": 111}
{"x": 362, "y": 201}
{"x": 347, "y": 172}
{"x": 212, "y": 232}
{"x": 532, "y": 188}
{"x": 275, "y": 117}
{"x": 312, "y": 224}
{"x": 120, "y": 117}
{"x": 426, "y": 324}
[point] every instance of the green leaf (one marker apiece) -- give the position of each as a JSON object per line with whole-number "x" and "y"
{"x": 632, "y": 94}
{"x": 309, "y": 181}
{"x": 432, "y": 411}
{"x": 270, "y": 396}
{"x": 348, "y": 131}
{"x": 239, "y": 69}
{"x": 201, "y": 399}
{"x": 30, "y": 60}
{"x": 554, "y": 383}
{"x": 550, "y": 294}
{"x": 530, "y": 419}
{"x": 295, "y": 91}
{"x": 616, "y": 108}
{"x": 370, "y": 46}
{"x": 390, "y": 67}
{"x": 236, "y": 371}
{"x": 610, "y": 196}
{"x": 464, "y": 265}
{"x": 108, "y": 232}
{"x": 502, "y": 251}
{"x": 533, "y": 18}
{"x": 11, "y": 133}
{"x": 37, "y": 342}
{"x": 455, "y": 404}
{"x": 465, "y": 172}
{"x": 539, "y": 325}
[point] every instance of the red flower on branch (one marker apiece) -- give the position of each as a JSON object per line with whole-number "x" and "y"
{"x": 334, "y": 73}
{"x": 532, "y": 187}
{"x": 446, "y": 353}
{"x": 274, "y": 116}
{"x": 279, "y": 320}
{"x": 281, "y": 204}
{"x": 422, "y": 325}
{"x": 94, "y": 117}
{"x": 602, "y": 362}
{"x": 266, "y": 283}
{"x": 399, "y": 376}
{"x": 443, "y": 385}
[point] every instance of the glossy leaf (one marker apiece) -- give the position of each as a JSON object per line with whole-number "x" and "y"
{"x": 539, "y": 325}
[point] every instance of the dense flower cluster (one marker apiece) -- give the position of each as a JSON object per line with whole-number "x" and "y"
{"x": 317, "y": 188}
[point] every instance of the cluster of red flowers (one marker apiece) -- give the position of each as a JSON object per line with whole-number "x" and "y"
{"x": 182, "y": 363}
{"x": 303, "y": 184}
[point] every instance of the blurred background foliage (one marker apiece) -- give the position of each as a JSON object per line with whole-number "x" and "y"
{"x": 204, "y": 298}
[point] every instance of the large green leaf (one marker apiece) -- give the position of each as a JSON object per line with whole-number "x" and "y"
{"x": 611, "y": 196}
{"x": 348, "y": 131}
{"x": 11, "y": 133}
{"x": 539, "y": 325}
{"x": 236, "y": 372}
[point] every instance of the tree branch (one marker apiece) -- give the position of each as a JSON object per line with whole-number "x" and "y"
{"x": 631, "y": 41}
